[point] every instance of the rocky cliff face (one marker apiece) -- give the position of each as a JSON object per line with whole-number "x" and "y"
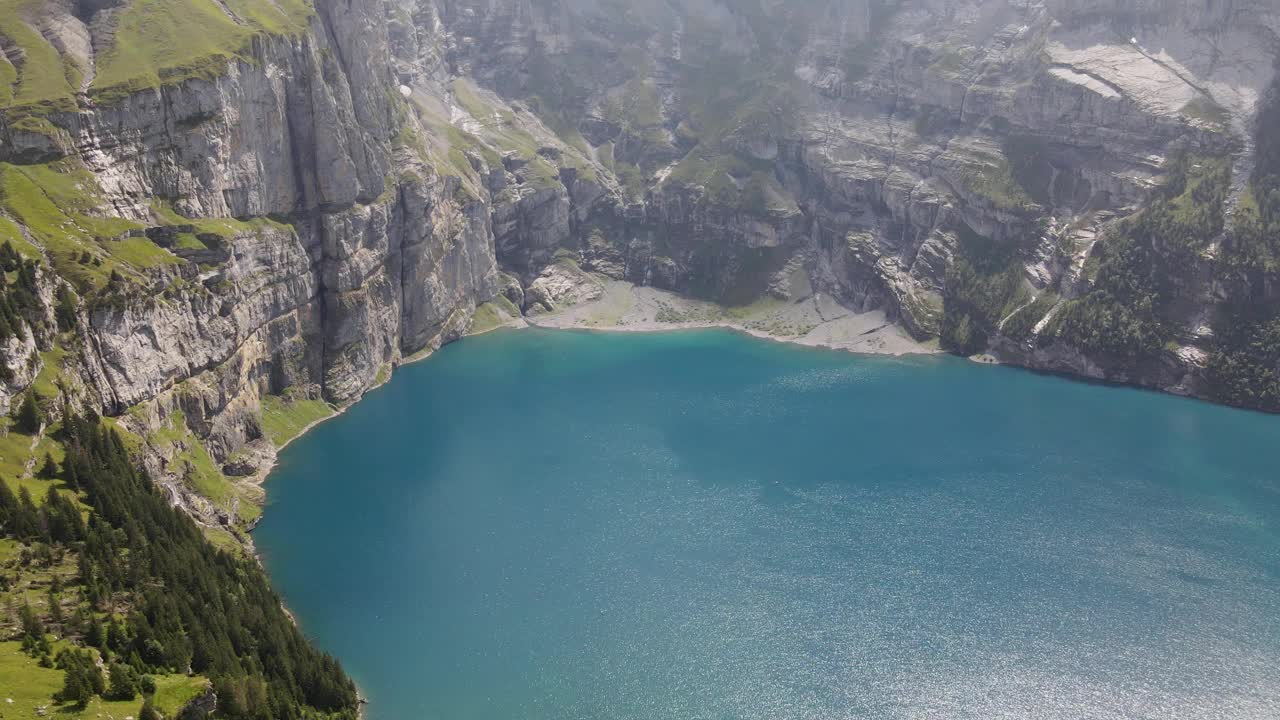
{"x": 341, "y": 188}
{"x": 305, "y": 247}
{"x": 979, "y": 169}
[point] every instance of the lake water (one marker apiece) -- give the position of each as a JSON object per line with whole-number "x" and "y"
{"x": 562, "y": 525}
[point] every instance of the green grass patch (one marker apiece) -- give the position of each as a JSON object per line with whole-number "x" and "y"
{"x": 493, "y": 314}
{"x": 58, "y": 203}
{"x": 226, "y": 228}
{"x": 222, "y": 539}
{"x": 16, "y": 452}
{"x": 199, "y": 471}
{"x": 11, "y": 233}
{"x": 203, "y": 475}
{"x": 502, "y": 130}
{"x": 284, "y": 419}
{"x": 278, "y": 17}
{"x": 132, "y": 441}
{"x": 732, "y": 180}
{"x": 170, "y": 41}
{"x": 37, "y": 125}
{"x": 44, "y": 80}
{"x": 188, "y": 241}
{"x": 444, "y": 149}
{"x": 761, "y": 306}
{"x": 25, "y": 682}
{"x": 632, "y": 178}
{"x": 46, "y": 383}
{"x": 142, "y": 253}
{"x": 636, "y": 109}
{"x": 949, "y": 61}
{"x": 173, "y": 692}
{"x": 31, "y": 687}
{"x": 731, "y": 105}
{"x": 8, "y": 78}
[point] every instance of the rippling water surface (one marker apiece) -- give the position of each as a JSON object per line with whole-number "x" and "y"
{"x": 564, "y": 525}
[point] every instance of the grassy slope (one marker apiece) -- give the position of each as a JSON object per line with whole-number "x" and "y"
{"x": 11, "y": 233}
{"x": 31, "y": 687}
{"x": 156, "y": 42}
{"x": 284, "y": 419}
{"x": 45, "y": 80}
{"x": 502, "y": 130}
{"x": 58, "y": 203}
{"x": 198, "y": 469}
{"x": 16, "y": 454}
{"x": 493, "y": 314}
{"x": 165, "y": 41}
{"x": 730, "y": 102}
{"x": 991, "y": 177}
{"x": 225, "y": 227}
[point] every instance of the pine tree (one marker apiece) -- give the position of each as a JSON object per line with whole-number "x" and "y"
{"x": 83, "y": 679}
{"x": 49, "y": 469}
{"x": 75, "y": 688}
{"x": 9, "y": 257}
{"x": 26, "y": 520}
{"x": 95, "y": 636}
{"x": 148, "y": 711}
{"x": 28, "y": 418}
{"x": 124, "y": 682}
{"x": 8, "y": 508}
{"x": 32, "y": 627}
{"x": 65, "y": 312}
{"x": 116, "y": 639}
{"x": 55, "y": 605}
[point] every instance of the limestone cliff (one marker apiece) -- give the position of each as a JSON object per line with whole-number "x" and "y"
{"x": 1060, "y": 184}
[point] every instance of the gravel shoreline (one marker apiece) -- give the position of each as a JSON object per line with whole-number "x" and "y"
{"x": 814, "y": 321}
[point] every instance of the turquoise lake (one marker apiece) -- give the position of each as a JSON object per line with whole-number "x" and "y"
{"x": 564, "y": 525}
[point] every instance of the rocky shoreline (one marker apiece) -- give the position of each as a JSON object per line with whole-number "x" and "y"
{"x": 817, "y": 320}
